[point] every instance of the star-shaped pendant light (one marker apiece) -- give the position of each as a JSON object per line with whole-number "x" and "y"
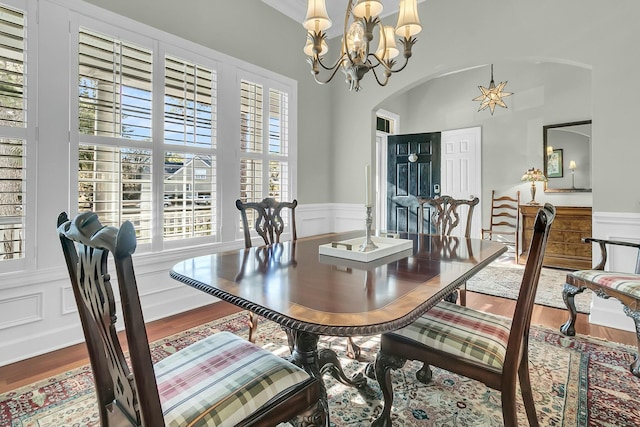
{"x": 492, "y": 95}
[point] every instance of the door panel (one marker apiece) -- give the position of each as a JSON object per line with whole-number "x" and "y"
{"x": 407, "y": 181}
{"x": 461, "y": 171}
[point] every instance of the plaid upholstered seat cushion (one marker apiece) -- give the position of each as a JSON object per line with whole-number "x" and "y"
{"x": 627, "y": 283}
{"x": 463, "y": 332}
{"x": 221, "y": 380}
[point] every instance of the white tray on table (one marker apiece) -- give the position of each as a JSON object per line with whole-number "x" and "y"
{"x": 350, "y": 249}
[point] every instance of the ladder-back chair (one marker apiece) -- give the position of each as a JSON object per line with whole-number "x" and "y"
{"x": 197, "y": 385}
{"x": 504, "y": 222}
{"x": 472, "y": 343}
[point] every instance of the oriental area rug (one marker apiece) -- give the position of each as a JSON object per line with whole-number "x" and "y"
{"x": 502, "y": 279}
{"x": 577, "y": 382}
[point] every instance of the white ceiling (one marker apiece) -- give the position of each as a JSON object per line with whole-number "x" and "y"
{"x": 297, "y": 9}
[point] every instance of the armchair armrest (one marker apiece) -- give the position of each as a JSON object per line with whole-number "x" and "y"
{"x": 603, "y": 250}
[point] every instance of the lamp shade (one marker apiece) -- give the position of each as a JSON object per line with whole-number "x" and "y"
{"x": 408, "y": 21}
{"x": 572, "y": 165}
{"x": 387, "y": 47}
{"x": 367, "y": 8}
{"x": 317, "y": 18}
{"x": 534, "y": 175}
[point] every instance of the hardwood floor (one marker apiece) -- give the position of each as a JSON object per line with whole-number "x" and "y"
{"x": 25, "y": 372}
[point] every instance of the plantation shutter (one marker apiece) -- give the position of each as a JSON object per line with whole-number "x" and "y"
{"x": 264, "y": 163}
{"x": 13, "y": 132}
{"x": 114, "y": 98}
{"x": 190, "y": 201}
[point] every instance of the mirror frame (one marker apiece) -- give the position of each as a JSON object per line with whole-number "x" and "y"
{"x": 544, "y": 156}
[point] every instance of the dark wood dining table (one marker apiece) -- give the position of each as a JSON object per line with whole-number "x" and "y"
{"x": 311, "y": 294}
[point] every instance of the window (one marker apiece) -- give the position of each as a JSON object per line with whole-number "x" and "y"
{"x": 13, "y": 132}
{"x": 264, "y": 165}
{"x": 155, "y": 146}
{"x": 189, "y": 176}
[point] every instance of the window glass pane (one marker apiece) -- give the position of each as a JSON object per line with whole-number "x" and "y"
{"x": 12, "y": 67}
{"x": 250, "y": 117}
{"x": 114, "y": 87}
{"x": 279, "y": 180}
{"x": 189, "y": 195}
{"x": 115, "y": 183}
{"x": 189, "y": 104}
{"x": 12, "y": 150}
{"x": 278, "y": 122}
{"x": 12, "y": 195}
{"x": 250, "y": 185}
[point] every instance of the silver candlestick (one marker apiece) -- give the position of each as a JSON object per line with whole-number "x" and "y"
{"x": 368, "y": 244}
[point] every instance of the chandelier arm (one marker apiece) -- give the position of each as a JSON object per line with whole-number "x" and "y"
{"x": 386, "y": 66}
{"x": 386, "y": 80}
{"x": 335, "y": 66}
{"x": 334, "y": 70}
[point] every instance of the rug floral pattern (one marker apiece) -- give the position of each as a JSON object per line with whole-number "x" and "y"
{"x": 503, "y": 280}
{"x": 577, "y": 382}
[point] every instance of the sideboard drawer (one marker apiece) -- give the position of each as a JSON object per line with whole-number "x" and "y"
{"x": 565, "y": 248}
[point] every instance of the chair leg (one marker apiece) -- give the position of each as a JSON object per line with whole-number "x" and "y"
{"x": 527, "y": 393}
{"x": 424, "y": 374}
{"x": 568, "y": 295}
{"x": 383, "y": 364}
{"x": 253, "y": 327}
{"x": 463, "y": 294}
{"x": 509, "y": 414}
{"x": 353, "y": 351}
{"x": 635, "y": 315}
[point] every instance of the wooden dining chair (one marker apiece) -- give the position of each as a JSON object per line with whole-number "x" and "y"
{"x": 478, "y": 345}
{"x": 220, "y": 380}
{"x": 268, "y": 223}
{"x": 504, "y": 221}
{"x": 267, "y": 219}
{"x": 446, "y": 214}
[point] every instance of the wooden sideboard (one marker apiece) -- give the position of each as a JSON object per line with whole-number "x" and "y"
{"x": 565, "y": 248}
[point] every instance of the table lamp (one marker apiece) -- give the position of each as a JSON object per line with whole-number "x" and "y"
{"x": 533, "y": 175}
{"x": 572, "y": 166}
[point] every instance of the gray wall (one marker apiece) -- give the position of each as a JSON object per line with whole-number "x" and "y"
{"x": 512, "y": 139}
{"x": 588, "y": 33}
{"x": 336, "y": 136}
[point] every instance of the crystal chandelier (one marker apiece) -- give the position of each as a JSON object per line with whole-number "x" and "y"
{"x": 356, "y": 57}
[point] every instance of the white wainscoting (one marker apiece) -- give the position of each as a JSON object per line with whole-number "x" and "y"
{"x": 38, "y": 313}
{"x": 615, "y": 226}
{"x": 37, "y": 308}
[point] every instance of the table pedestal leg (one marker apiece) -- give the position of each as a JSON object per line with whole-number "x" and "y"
{"x": 329, "y": 363}
{"x": 305, "y": 353}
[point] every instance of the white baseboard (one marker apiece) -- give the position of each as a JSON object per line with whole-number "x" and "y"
{"x": 615, "y": 226}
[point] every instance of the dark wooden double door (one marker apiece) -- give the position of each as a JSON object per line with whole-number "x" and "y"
{"x": 413, "y": 171}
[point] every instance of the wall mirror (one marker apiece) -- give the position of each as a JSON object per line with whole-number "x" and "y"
{"x": 567, "y": 154}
